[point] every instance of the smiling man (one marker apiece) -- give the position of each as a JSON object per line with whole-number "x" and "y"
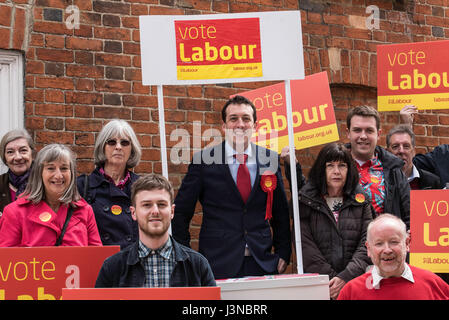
{"x": 156, "y": 260}
{"x": 392, "y": 278}
{"x": 380, "y": 171}
{"x": 401, "y": 143}
{"x": 232, "y": 181}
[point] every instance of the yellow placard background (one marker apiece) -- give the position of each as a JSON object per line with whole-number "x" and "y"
{"x": 423, "y": 101}
{"x": 220, "y": 71}
{"x": 303, "y": 139}
{"x": 435, "y": 262}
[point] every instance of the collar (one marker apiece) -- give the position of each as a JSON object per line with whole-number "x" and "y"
{"x": 164, "y": 251}
{"x": 230, "y": 152}
{"x": 179, "y": 250}
{"x": 406, "y": 274}
{"x": 367, "y": 163}
{"x": 415, "y": 174}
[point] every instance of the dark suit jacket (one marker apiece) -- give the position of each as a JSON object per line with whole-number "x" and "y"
{"x": 228, "y": 223}
{"x": 428, "y": 180}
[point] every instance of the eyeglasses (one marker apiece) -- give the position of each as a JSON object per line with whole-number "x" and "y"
{"x": 113, "y": 142}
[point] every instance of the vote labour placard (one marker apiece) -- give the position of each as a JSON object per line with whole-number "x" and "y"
{"x": 40, "y": 273}
{"x": 429, "y": 227}
{"x": 221, "y": 48}
{"x": 312, "y": 112}
{"x": 413, "y": 73}
{"x": 215, "y": 49}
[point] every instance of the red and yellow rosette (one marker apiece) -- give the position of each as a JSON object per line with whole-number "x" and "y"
{"x": 268, "y": 182}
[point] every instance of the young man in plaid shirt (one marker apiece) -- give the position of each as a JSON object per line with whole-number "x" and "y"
{"x": 156, "y": 260}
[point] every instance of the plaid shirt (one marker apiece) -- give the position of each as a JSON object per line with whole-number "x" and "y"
{"x": 158, "y": 264}
{"x": 373, "y": 182}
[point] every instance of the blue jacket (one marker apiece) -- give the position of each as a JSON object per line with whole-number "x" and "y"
{"x": 111, "y": 208}
{"x": 124, "y": 269}
{"x": 228, "y": 223}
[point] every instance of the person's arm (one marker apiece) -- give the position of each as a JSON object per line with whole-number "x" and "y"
{"x": 105, "y": 276}
{"x": 280, "y": 223}
{"x": 359, "y": 261}
{"x": 10, "y": 228}
{"x": 93, "y": 236}
{"x": 185, "y": 203}
{"x": 300, "y": 179}
{"x": 313, "y": 259}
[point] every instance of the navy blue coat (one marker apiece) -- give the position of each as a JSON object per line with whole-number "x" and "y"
{"x": 115, "y": 229}
{"x": 228, "y": 223}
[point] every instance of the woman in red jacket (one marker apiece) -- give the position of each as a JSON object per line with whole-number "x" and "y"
{"x": 50, "y": 211}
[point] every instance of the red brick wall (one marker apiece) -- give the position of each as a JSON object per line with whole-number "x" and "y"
{"x": 76, "y": 80}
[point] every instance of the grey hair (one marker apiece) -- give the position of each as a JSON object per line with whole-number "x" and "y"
{"x": 401, "y": 128}
{"x": 14, "y": 135}
{"x": 119, "y": 128}
{"x": 35, "y": 190}
{"x": 382, "y": 217}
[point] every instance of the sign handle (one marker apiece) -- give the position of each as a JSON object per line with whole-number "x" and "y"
{"x": 160, "y": 100}
{"x": 294, "y": 182}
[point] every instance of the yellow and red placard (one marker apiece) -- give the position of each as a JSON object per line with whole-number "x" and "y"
{"x": 429, "y": 227}
{"x": 40, "y": 273}
{"x": 215, "y": 49}
{"x": 312, "y": 112}
{"x": 413, "y": 73}
{"x": 221, "y": 48}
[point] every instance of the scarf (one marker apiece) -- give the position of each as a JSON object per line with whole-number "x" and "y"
{"x": 19, "y": 182}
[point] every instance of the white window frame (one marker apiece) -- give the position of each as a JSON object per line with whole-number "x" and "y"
{"x": 11, "y": 93}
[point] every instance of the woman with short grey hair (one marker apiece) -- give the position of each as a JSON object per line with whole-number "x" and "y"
{"x": 108, "y": 188}
{"x": 50, "y": 211}
{"x": 17, "y": 152}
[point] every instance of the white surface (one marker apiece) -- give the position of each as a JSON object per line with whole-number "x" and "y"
{"x": 280, "y": 36}
{"x": 305, "y": 287}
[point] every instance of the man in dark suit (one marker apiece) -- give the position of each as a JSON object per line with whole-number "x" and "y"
{"x": 401, "y": 142}
{"x": 245, "y": 209}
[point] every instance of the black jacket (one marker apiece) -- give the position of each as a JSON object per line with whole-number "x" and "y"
{"x": 436, "y": 162}
{"x": 428, "y": 180}
{"x": 397, "y": 188}
{"x": 124, "y": 269}
{"x": 328, "y": 247}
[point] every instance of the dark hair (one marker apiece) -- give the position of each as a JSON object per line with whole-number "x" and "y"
{"x": 333, "y": 152}
{"x": 401, "y": 128}
{"x": 238, "y": 100}
{"x": 150, "y": 182}
{"x": 363, "y": 111}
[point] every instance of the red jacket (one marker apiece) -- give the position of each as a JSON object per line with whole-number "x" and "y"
{"x": 24, "y": 224}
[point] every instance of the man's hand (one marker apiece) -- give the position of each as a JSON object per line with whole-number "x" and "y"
{"x": 282, "y": 265}
{"x": 335, "y": 285}
{"x": 285, "y": 155}
{"x": 407, "y": 114}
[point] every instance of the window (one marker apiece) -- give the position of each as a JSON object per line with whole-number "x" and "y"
{"x": 11, "y": 93}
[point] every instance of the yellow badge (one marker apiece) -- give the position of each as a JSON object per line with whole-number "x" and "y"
{"x": 116, "y": 209}
{"x": 359, "y": 197}
{"x": 45, "y": 216}
{"x": 268, "y": 183}
{"x": 375, "y": 180}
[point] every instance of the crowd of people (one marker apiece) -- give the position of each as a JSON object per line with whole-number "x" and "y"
{"x": 354, "y": 207}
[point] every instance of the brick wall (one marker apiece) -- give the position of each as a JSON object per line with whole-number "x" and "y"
{"x": 78, "y": 79}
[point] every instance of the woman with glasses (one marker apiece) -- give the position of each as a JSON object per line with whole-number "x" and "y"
{"x": 334, "y": 214}
{"x": 108, "y": 188}
{"x": 50, "y": 211}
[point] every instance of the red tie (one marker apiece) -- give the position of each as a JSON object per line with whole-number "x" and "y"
{"x": 243, "y": 177}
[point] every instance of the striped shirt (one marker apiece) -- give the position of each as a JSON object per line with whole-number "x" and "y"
{"x": 158, "y": 264}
